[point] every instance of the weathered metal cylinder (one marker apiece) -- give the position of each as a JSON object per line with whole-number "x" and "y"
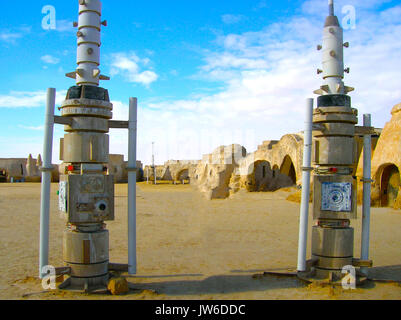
{"x": 89, "y": 19}
{"x": 334, "y": 151}
{"x": 331, "y": 242}
{"x": 89, "y": 110}
{"x": 87, "y": 124}
{"x": 89, "y": 147}
{"x": 88, "y": 37}
{"x": 90, "y": 6}
{"x": 87, "y": 107}
{"x": 334, "y": 200}
{"x": 334, "y": 142}
{"x": 86, "y": 248}
{"x": 88, "y": 51}
{"x": 87, "y": 254}
{"x": 333, "y": 56}
{"x": 333, "y": 248}
{"x": 86, "y": 190}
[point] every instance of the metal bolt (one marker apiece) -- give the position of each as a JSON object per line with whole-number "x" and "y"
{"x": 346, "y": 45}
{"x": 333, "y": 53}
{"x": 319, "y": 71}
{"x": 319, "y": 47}
{"x": 90, "y": 50}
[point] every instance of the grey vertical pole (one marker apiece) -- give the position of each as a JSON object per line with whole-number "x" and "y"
{"x": 306, "y": 169}
{"x": 132, "y": 141}
{"x": 153, "y": 162}
{"x": 367, "y": 151}
{"x": 46, "y": 181}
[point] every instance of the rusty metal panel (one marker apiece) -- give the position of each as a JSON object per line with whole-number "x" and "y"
{"x": 61, "y": 155}
{"x": 90, "y": 198}
{"x": 86, "y": 251}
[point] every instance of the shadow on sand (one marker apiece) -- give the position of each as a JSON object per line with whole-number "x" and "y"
{"x": 220, "y": 284}
{"x": 385, "y": 273}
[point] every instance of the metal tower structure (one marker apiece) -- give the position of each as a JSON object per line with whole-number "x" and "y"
{"x": 86, "y": 191}
{"x": 335, "y": 158}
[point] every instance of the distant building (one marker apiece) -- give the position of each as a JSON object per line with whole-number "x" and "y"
{"x": 386, "y": 164}
{"x": 24, "y": 170}
{"x": 118, "y": 168}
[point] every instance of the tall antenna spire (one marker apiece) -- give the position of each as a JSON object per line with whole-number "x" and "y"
{"x": 333, "y": 57}
{"x": 331, "y": 7}
{"x": 88, "y": 52}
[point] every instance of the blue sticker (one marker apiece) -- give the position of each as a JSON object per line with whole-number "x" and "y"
{"x": 336, "y": 196}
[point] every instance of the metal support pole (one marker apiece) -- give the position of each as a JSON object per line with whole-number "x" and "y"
{"x": 304, "y": 211}
{"x": 46, "y": 181}
{"x": 132, "y": 170}
{"x": 367, "y": 150}
{"x": 153, "y": 162}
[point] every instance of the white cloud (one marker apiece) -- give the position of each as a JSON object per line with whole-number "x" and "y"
{"x": 261, "y": 5}
{"x": 267, "y": 76}
{"x": 231, "y": 18}
{"x": 229, "y": 60}
{"x": 129, "y": 66}
{"x": 50, "y": 59}
{"x": 11, "y": 36}
{"x": 145, "y": 77}
{"x": 33, "y": 128}
{"x": 317, "y": 7}
{"x": 64, "y": 26}
{"x": 22, "y": 99}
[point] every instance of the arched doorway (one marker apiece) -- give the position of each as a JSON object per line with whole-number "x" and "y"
{"x": 275, "y": 170}
{"x": 3, "y": 175}
{"x": 167, "y": 175}
{"x": 183, "y": 175}
{"x": 288, "y": 169}
{"x": 261, "y": 174}
{"x": 389, "y": 185}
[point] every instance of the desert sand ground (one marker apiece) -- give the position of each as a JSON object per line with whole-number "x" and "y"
{"x": 189, "y": 247}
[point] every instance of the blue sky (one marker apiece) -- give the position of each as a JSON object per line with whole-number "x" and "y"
{"x": 206, "y": 73}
